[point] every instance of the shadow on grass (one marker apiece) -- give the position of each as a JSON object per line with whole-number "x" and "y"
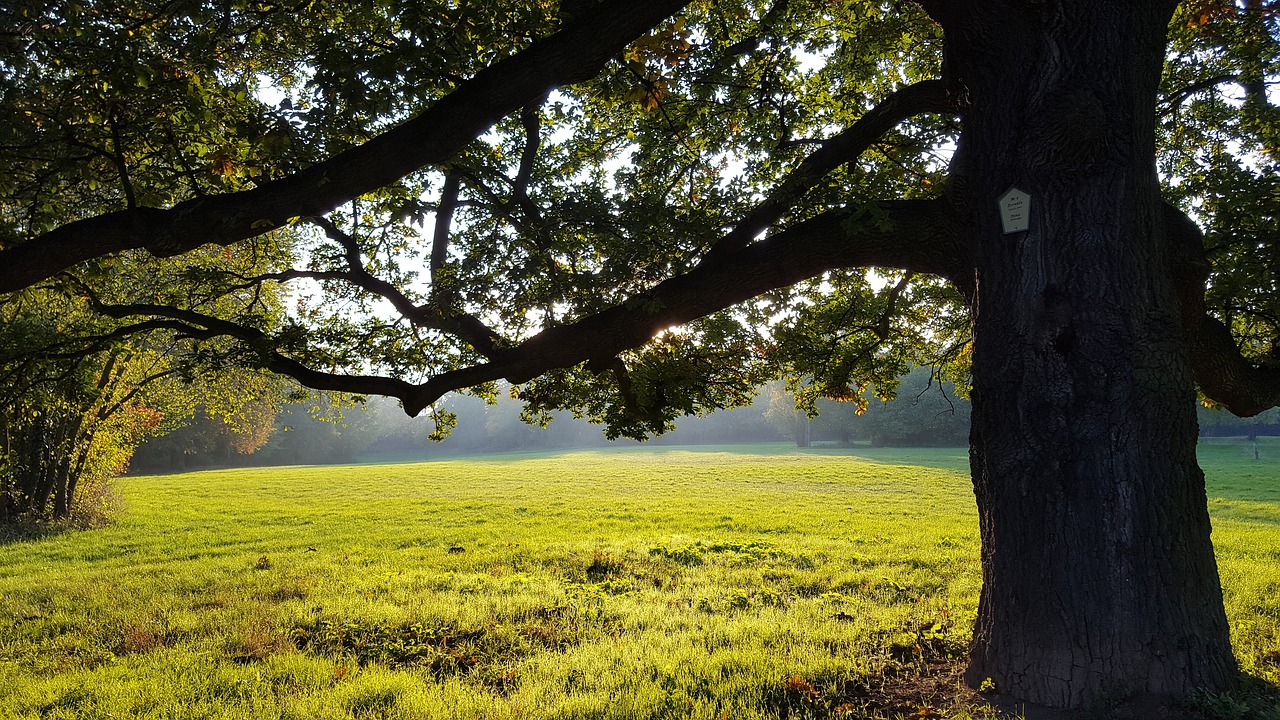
{"x": 925, "y": 679}
{"x": 938, "y": 690}
{"x": 24, "y": 529}
{"x": 97, "y": 509}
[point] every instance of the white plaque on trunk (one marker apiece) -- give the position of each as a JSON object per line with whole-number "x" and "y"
{"x": 1015, "y": 210}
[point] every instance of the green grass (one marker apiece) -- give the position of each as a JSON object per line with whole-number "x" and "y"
{"x": 655, "y": 583}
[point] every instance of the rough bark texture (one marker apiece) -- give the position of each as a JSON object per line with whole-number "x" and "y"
{"x": 1099, "y": 581}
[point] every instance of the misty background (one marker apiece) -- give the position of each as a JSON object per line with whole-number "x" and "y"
{"x": 925, "y": 412}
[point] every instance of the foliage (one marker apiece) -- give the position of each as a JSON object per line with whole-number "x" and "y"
{"x": 926, "y": 412}
{"x": 583, "y": 200}
{"x": 749, "y": 581}
{"x": 1221, "y": 137}
{"x": 209, "y": 438}
{"x": 537, "y": 222}
{"x": 76, "y": 398}
{"x": 67, "y": 426}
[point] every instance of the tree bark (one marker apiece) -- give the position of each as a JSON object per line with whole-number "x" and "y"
{"x": 1099, "y": 581}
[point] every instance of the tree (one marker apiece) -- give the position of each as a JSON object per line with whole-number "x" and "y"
{"x": 789, "y": 417}
{"x": 1217, "y": 422}
{"x": 69, "y": 420}
{"x": 638, "y": 211}
{"x": 65, "y": 434}
{"x": 66, "y": 423}
{"x": 208, "y": 437}
{"x": 77, "y": 396}
{"x": 924, "y": 412}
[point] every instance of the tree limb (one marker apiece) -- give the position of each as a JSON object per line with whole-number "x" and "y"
{"x": 574, "y": 54}
{"x": 1224, "y": 375}
{"x": 443, "y": 227}
{"x": 912, "y": 100}
{"x": 532, "y": 125}
{"x": 465, "y": 327}
{"x": 916, "y": 235}
{"x": 1179, "y": 96}
{"x": 204, "y": 326}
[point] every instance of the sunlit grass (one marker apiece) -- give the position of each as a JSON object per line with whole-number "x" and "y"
{"x": 756, "y": 583}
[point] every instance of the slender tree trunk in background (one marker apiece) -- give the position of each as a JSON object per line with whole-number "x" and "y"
{"x": 1099, "y": 580}
{"x": 43, "y": 446}
{"x": 76, "y": 459}
{"x": 8, "y": 473}
{"x": 63, "y": 464}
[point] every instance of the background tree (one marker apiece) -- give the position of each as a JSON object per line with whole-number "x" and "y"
{"x": 638, "y": 211}
{"x": 68, "y": 426}
{"x": 788, "y": 415}
{"x": 68, "y": 422}
{"x": 210, "y": 439}
{"x": 925, "y": 412}
{"x": 79, "y": 391}
{"x": 1215, "y": 422}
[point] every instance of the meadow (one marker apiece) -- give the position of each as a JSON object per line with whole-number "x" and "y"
{"x": 711, "y": 583}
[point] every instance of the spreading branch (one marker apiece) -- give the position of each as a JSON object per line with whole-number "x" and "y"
{"x": 576, "y": 53}
{"x": 916, "y": 99}
{"x": 919, "y": 236}
{"x": 201, "y": 326}
{"x": 916, "y": 235}
{"x": 1223, "y": 373}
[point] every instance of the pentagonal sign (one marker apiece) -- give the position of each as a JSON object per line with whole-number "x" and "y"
{"x": 1015, "y": 210}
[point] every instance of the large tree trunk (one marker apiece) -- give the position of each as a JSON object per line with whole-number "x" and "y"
{"x": 1099, "y": 580}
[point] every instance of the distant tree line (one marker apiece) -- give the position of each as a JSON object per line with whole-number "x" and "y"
{"x": 1215, "y": 422}
{"x": 183, "y": 427}
{"x": 924, "y": 412}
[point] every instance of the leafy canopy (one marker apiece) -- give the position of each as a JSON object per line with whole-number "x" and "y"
{"x": 597, "y": 243}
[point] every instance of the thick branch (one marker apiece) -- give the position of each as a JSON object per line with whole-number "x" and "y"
{"x": 462, "y": 325}
{"x": 575, "y": 54}
{"x": 444, "y": 226}
{"x": 533, "y": 139}
{"x": 1222, "y": 372}
{"x": 922, "y": 97}
{"x": 916, "y": 235}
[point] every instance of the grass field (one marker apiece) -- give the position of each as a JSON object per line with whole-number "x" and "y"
{"x": 716, "y": 583}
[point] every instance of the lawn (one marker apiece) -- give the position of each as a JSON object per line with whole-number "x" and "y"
{"x": 717, "y": 583}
